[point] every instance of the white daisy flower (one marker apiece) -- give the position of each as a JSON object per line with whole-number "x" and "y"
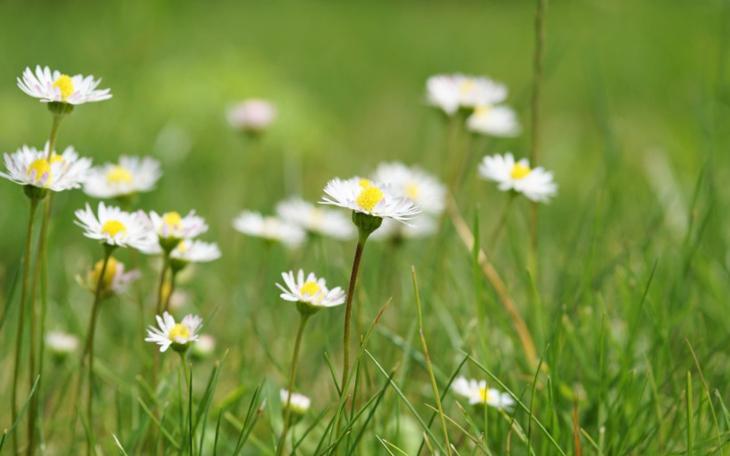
{"x": 171, "y": 227}
{"x": 478, "y": 393}
{"x": 536, "y": 184}
{"x": 315, "y": 219}
{"x": 367, "y": 197}
{"x": 61, "y": 343}
{"x": 270, "y": 228}
{"x": 298, "y": 404}
{"x": 451, "y": 92}
{"x": 494, "y": 121}
{"x": 29, "y": 166}
{"x": 116, "y": 278}
{"x": 413, "y": 183}
{"x": 131, "y": 175}
{"x": 311, "y": 291}
{"x": 252, "y": 116}
{"x": 419, "y": 227}
{"x": 194, "y": 251}
{"x": 443, "y": 92}
{"x": 204, "y": 347}
{"x": 53, "y": 86}
{"x": 115, "y": 227}
{"x": 178, "y": 335}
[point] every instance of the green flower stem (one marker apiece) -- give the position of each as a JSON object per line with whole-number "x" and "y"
{"x": 54, "y": 134}
{"x": 290, "y": 386}
{"x": 21, "y": 317}
{"x": 188, "y": 374}
{"x": 348, "y": 311}
{"x": 161, "y": 285}
{"x": 500, "y": 224}
{"x": 173, "y": 276}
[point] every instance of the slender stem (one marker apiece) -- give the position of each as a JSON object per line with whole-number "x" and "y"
{"x": 161, "y": 285}
{"x": 188, "y": 374}
{"x": 21, "y": 318}
{"x": 500, "y": 224}
{"x": 537, "y": 64}
{"x": 89, "y": 348}
{"x": 53, "y": 135}
{"x": 173, "y": 276}
{"x": 348, "y": 312}
{"x": 290, "y": 386}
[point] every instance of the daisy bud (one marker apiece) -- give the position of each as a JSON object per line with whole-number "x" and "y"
{"x": 298, "y": 404}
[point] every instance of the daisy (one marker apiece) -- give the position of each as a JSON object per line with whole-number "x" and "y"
{"x": 310, "y": 292}
{"x": 477, "y": 393}
{"x": 204, "y": 347}
{"x": 61, "y": 343}
{"x": 131, "y": 175}
{"x": 251, "y": 116}
{"x": 31, "y": 167}
{"x": 535, "y": 183}
{"x": 194, "y": 251}
{"x": 298, "y": 403}
{"x": 170, "y": 228}
{"x": 270, "y": 228}
{"x": 367, "y": 197}
{"x": 116, "y": 278}
{"x": 178, "y": 335}
{"x": 451, "y": 92}
{"x": 493, "y": 120}
{"x": 413, "y": 183}
{"x": 315, "y": 219}
{"x": 419, "y": 227}
{"x": 114, "y": 227}
{"x": 53, "y": 86}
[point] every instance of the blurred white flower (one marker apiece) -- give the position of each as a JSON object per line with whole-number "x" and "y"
{"x": 171, "y": 226}
{"x": 315, "y": 219}
{"x": 178, "y": 335}
{"x": 425, "y": 190}
{"x": 252, "y": 116}
{"x": 310, "y": 291}
{"x": 367, "y": 197}
{"x": 478, "y": 393}
{"x": 116, "y": 278}
{"x": 536, "y": 184}
{"x": 194, "y": 251}
{"x": 420, "y": 226}
{"x": 205, "y": 346}
{"x": 298, "y": 404}
{"x": 131, "y": 175}
{"x": 494, "y": 121}
{"x": 29, "y": 166}
{"x": 53, "y": 86}
{"x": 451, "y": 92}
{"x": 270, "y": 228}
{"x": 61, "y": 343}
{"x": 115, "y": 227}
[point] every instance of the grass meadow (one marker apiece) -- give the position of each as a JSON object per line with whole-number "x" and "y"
{"x": 609, "y": 334}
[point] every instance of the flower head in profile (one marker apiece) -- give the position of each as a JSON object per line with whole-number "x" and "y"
{"x": 493, "y": 121}
{"x": 370, "y": 198}
{"x": 421, "y": 226}
{"x": 179, "y": 336}
{"x": 452, "y": 92}
{"x": 130, "y": 176}
{"x": 269, "y": 228}
{"x": 116, "y": 278}
{"x": 36, "y": 168}
{"x": 61, "y": 343}
{"x": 309, "y": 292}
{"x": 316, "y": 220}
{"x": 170, "y": 228}
{"x": 204, "y": 347}
{"x": 194, "y": 251}
{"x": 535, "y": 183}
{"x": 414, "y": 184}
{"x": 298, "y": 403}
{"x": 478, "y": 394}
{"x": 53, "y": 86}
{"x": 115, "y": 227}
{"x": 252, "y": 116}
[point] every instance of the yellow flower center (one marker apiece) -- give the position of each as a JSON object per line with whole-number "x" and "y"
{"x": 182, "y": 247}
{"x": 412, "y": 190}
{"x": 41, "y": 168}
{"x": 484, "y": 394}
{"x": 109, "y": 274}
{"x": 310, "y": 288}
{"x": 172, "y": 219}
{"x": 55, "y": 158}
{"x": 113, "y": 227}
{"x": 65, "y": 85}
{"x": 482, "y": 110}
{"x": 466, "y": 86}
{"x": 179, "y": 331}
{"x": 119, "y": 175}
{"x": 369, "y": 197}
{"x": 519, "y": 171}
{"x": 365, "y": 183}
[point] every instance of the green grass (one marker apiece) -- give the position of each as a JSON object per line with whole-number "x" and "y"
{"x": 629, "y": 308}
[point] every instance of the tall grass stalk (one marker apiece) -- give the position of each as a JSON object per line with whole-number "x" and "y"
{"x": 535, "y": 102}
{"x": 290, "y": 386}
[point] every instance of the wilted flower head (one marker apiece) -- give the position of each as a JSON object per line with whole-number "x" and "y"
{"x": 477, "y": 393}
{"x": 178, "y": 335}
{"x": 316, "y": 220}
{"x": 130, "y": 176}
{"x": 298, "y": 404}
{"x": 53, "y": 86}
{"x": 116, "y": 278}
{"x": 31, "y": 167}
{"x": 115, "y": 227}
{"x": 311, "y": 293}
{"x": 510, "y": 175}
{"x": 252, "y": 116}
{"x": 414, "y": 184}
{"x": 269, "y": 228}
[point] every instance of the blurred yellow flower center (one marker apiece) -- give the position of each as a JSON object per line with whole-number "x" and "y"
{"x": 365, "y": 183}
{"x": 119, "y": 175}
{"x": 111, "y": 271}
{"x": 369, "y": 197}
{"x": 412, "y": 190}
{"x": 55, "y": 158}
{"x": 113, "y": 227}
{"x": 310, "y": 288}
{"x": 466, "y": 86}
{"x": 483, "y": 394}
{"x": 483, "y": 110}
{"x": 40, "y": 168}
{"x": 520, "y": 171}
{"x": 65, "y": 85}
{"x": 179, "y": 331}
{"x": 182, "y": 247}
{"x": 172, "y": 219}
